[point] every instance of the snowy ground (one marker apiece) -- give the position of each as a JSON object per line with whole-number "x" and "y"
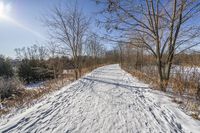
{"x": 108, "y": 100}
{"x": 32, "y": 86}
{"x": 185, "y": 69}
{"x": 175, "y": 69}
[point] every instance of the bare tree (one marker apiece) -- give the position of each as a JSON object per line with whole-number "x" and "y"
{"x": 121, "y": 52}
{"x": 162, "y": 27}
{"x": 20, "y": 54}
{"x": 53, "y": 52}
{"x": 94, "y": 48}
{"x": 42, "y": 52}
{"x": 68, "y": 26}
{"x": 33, "y": 52}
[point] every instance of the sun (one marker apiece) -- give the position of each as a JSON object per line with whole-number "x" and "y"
{"x": 4, "y": 9}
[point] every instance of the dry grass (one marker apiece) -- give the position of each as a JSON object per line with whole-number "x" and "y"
{"x": 25, "y": 97}
{"x": 185, "y": 87}
{"x": 152, "y": 80}
{"x": 186, "y": 83}
{"x": 181, "y": 83}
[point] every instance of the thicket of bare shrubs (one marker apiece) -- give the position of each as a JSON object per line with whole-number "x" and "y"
{"x": 181, "y": 82}
{"x": 9, "y": 87}
{"x": 184, "y": 83}
{"x": 186, "y": 86}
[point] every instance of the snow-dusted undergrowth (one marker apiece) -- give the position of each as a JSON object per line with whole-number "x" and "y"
{"x": 107, "y": 100}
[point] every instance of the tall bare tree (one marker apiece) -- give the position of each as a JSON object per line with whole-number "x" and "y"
{"x": 68, "y": 25}
{"x": 165, "y": 28}
{"x": 120, "y": 47}
{"x": 94, "y": 48}
{"x": 33, "y": 52}
{"x": 53, "y": 52}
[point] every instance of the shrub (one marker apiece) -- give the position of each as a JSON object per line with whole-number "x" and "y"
{"x": 5, "y": 67}
{"x": 186, "y": 81}
{"x": 178, "y": 83}
{"x": 34, "y": 71}
{"x": 24, "y": 71}
{"x": 9, "y": 87}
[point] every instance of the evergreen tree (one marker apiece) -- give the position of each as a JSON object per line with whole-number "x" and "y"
{"x": 6, "y": 69}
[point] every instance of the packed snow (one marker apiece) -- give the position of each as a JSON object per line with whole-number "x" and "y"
{"x": 108, "y": 100}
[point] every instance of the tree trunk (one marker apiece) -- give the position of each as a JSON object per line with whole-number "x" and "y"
{"x": 80, "y": 72}
{"x": 164, "y": 75}
{"x": 76, "y": 67}
{"x": 121, "y": 58}
{"x": 160, "y": 73}
{"x": 76, "y": 73}
{"x": 54, "y": 71}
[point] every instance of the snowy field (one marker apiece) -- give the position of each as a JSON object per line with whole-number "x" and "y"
{"x": 175, "y": 69}
{"x": 108, "y": 100}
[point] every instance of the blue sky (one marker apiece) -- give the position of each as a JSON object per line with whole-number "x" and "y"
{"x": 25, "y": 27}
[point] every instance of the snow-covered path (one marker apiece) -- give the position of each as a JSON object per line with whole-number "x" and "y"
{"x": 108, "y": 100}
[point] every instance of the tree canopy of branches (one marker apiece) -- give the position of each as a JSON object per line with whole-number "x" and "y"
{"x": 68, "y": 25}
{"x": 94, "y": 48}
{"x": 163, "y": 27}
{"x": 34, "y": 52}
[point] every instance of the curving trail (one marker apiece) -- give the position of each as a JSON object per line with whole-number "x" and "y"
{"x": 108, "y": 100}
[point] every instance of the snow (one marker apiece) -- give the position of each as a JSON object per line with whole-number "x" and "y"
{"x": 108, "y": 100}
{"x": 185, "y": 69}
{"x": 175, "y": 69}
{"x": 37, "y": 85}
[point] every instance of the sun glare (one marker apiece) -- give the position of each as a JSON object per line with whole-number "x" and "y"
{"x": 4, "y": 9}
